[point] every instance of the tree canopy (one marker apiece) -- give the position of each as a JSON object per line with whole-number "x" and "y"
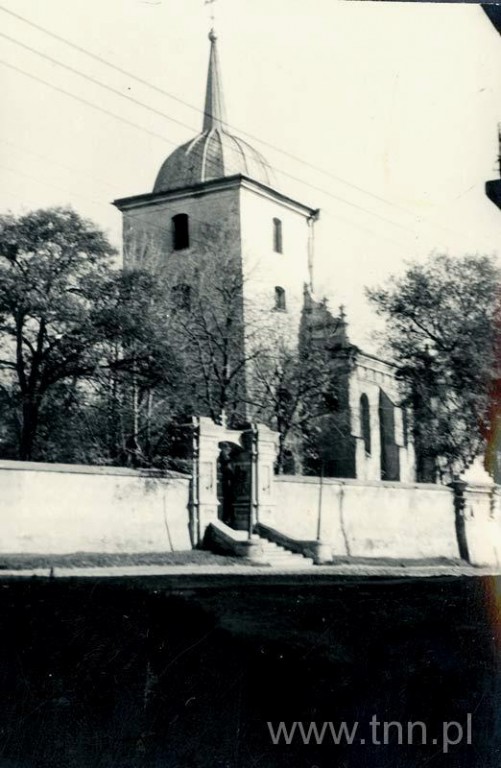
{"x": 101, "y": 365}
{"x": 442, "y": 321}
{"x": 77, "y": 337}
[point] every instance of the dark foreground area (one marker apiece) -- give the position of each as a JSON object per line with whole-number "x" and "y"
{"x": 154, "y": 673}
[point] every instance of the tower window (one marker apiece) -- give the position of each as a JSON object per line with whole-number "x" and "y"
{"x": 365, "y": 422}
{"x": 181, "y": 296}
{"x": 180, "y": 231}
{"x": 280, "y": 298}
{"x": 277, "y": 236}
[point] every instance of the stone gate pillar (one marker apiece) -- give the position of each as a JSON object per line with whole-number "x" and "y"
{"x": 204, "y": 493}
{"x": 264, "y": 498}
{"x": 481, "y": 516}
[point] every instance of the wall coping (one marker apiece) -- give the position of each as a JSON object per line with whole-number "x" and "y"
{"x": 312, "y": 480}
{"x": 489, "y": 488}
{"x": 90, "y": 469}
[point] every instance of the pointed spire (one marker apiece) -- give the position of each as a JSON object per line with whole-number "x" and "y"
{"x": 214, "y": 113}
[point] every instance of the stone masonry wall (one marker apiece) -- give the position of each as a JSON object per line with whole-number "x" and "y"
{"x": 57, "y": 509}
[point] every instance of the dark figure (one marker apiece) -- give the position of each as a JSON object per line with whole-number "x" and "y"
{"x": 227, "y": 485}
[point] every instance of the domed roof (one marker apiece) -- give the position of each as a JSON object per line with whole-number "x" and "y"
{"x": 215, "y": 152}
{"x": 212, "y": 155}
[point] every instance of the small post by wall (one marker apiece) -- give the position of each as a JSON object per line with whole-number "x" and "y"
{"x": 254, "y": 480}
{"x": 322, "y": 551}
{"x": 458, "y": 490}
{"x": 194, "y": 520}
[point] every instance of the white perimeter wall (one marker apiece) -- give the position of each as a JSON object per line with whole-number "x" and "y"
{"x": 57, "y": 509}
{"x": 54, "y": 508}
{"x": 369, "y": 520}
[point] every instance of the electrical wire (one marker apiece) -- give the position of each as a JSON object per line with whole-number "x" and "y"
{"x": 137, "y": 102}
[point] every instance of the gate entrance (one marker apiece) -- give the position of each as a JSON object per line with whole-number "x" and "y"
{"x": 233, "y": 488}
{"x": 232, "y": 476}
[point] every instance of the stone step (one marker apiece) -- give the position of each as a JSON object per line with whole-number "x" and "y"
{"x": 290, "y": 564}
{"x": 279, "y": 557}
{"x": 270, "y": 547}
{"x": 275, "y": 549}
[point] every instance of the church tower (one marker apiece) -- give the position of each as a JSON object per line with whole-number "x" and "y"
{"x": 215, "y": 215}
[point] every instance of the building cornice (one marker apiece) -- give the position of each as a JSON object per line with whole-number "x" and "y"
{"x": 375, "y": 366}
{"x": 372, "y": 360}
{"x": 210, "y": 187}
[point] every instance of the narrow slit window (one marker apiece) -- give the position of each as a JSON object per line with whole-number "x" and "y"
{"x": 180, "y": 232}
{"x": 280, "y": 298}
{"x": 405, "y": 426}
{"x": 277, "y": 236}
{"x": 365, "y": 422}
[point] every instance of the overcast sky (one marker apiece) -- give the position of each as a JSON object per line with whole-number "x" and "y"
{"x": 387, "y": 113}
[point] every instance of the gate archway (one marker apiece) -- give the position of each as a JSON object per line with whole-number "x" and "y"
{"x": 232, "y": 491}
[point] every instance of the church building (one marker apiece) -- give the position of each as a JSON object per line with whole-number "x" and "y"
{"x": 215, "y": 218}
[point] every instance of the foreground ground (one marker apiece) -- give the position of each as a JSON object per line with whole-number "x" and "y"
{"x": 158, "y": 671}
{"x": 193, "y": 557}
{"x": 198, "y": 564}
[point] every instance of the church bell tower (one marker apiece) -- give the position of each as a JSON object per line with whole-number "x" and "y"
{"x": 215, "y": 212}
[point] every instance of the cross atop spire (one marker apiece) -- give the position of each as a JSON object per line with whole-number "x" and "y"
{"x": 212, "y": 9}
{"x": 214, "y": 112}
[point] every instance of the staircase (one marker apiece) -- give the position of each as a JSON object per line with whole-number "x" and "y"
{"x": 258, "y": 549}
{"x": 281, "y": 558}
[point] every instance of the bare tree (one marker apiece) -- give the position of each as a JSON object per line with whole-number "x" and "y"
{"x": 292, "y": 389}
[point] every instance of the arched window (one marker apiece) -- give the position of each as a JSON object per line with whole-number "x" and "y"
{"x": 365, "y": 422}
{"x": 280, "y": 298}
{"x": 181, "y": 296}
{"x": 277, "y": 236}
{"x": 180, "y": 231}
{"x": 390, "y": 456}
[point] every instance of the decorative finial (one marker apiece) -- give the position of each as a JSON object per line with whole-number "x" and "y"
{"x": 212, "y": 17}
{"x": 214, "y": 112}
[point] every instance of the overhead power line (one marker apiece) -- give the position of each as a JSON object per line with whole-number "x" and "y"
{"x": 83, "y": 100}
{"x": 103, "y": 183}
{"x": 53, "y": 161}
{"x": 95, "y": 81}
{"x": 101, "y": 204}
{"x": 169, "y": 95}
{"x": 162, "y": 138}
{"x": 164, "y": 92}
{"x": 148, "y": 224}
